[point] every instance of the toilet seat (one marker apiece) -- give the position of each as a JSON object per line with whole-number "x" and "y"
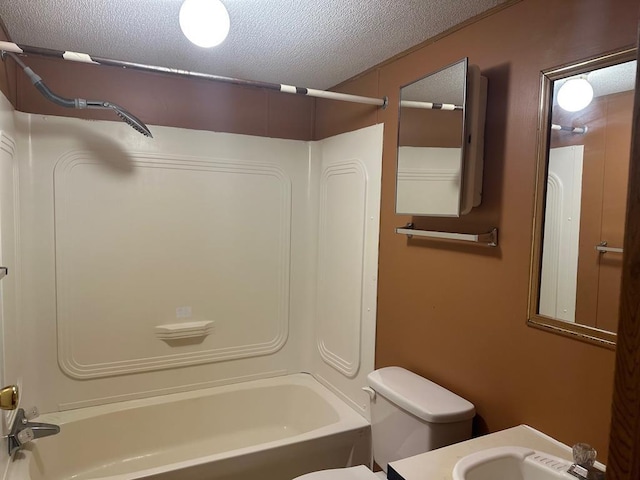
{"x": 352, "y": 473}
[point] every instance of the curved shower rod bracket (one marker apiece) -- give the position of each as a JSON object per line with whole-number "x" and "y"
{"x": 79, "y": 103}
{"x": 85, "y": 58}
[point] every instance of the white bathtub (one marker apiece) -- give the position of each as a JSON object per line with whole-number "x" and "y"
{"x": 273, "y": 429}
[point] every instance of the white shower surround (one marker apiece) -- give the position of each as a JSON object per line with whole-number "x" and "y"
{"x": 9, "y": 239}
{"x": 83, "y": 333}
{"x": 559, "y": 270}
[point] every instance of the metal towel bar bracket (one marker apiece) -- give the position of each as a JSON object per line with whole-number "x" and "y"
{"x": 489, "y": 239}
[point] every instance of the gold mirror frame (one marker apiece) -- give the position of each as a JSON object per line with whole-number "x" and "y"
{"x": 548, "y": 77}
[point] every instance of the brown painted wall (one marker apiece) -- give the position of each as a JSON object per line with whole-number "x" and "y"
{"x": 430, "y": 128}
{"x": 457, "y": 315}
{"x": 159, "y": 99}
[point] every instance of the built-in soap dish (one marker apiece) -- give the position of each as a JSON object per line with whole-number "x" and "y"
{"x": 179, "y": 331}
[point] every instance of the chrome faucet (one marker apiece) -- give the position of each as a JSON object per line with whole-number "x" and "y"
{"x": 584, "y": 456}
{"x": 24, "y": 431}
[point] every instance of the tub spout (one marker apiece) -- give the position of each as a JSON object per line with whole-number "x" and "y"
{"x": 24, "y": 431}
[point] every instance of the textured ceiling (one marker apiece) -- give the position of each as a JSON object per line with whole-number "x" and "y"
{"x": 444, "y": 86}
{"x": 308, "y": 43}
{"x": 614, "y": 79}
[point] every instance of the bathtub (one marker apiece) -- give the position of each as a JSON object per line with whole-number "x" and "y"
{"x": 271, "y": 429}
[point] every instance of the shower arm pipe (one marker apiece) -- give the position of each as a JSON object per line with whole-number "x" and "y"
{"x": 85, "y": 58}
{"x": 78, "y": 103}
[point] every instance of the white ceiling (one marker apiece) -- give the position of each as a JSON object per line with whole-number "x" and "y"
{"x": 308, "y": 43}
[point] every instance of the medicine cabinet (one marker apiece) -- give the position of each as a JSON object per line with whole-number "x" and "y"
{"x": 440, "y": 142}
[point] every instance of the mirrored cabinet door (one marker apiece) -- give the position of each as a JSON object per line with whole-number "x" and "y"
{"x": 441, "y": 142}
{"x": 430, "y": 143}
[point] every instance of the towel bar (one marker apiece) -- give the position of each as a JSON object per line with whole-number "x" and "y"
{"x": 602, "y": 248}
{"x": 489, "y": 239}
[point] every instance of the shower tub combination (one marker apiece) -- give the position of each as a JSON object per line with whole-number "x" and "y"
{"x": 272, "y": 429}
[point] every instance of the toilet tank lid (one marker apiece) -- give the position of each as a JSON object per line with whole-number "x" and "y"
{"x": 419, "y": 396}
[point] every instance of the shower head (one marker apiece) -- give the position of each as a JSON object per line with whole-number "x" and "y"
{"x": 126, "y": 116}
{"x": 80, "y": 103}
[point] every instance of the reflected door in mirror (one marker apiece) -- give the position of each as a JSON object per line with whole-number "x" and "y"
{"x": 606, "y": 146}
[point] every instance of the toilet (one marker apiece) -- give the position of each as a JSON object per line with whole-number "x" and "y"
{"x": 409, "y": 415}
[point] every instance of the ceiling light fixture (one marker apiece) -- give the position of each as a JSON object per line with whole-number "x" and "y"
{"x": 204, "y": 22}
{"x": 575, "y": 94}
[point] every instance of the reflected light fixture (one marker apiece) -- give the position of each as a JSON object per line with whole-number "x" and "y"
{"x": 575, "y": 94}
{"x": 204, "y": 22}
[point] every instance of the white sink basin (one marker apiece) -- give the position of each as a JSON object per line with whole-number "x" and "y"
{"x": 512, "y": 463}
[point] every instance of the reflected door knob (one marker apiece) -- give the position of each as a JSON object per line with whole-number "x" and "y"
{"x": 9, "y": 397}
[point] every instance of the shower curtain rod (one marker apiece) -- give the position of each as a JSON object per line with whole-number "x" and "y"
{"x": 429, "y": 105}
{"x": 581, "y": 130}
{"x": 85, "y": 58}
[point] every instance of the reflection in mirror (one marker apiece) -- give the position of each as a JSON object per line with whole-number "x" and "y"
{"x": 583, "y": 163}
{"x": 430, "y": 143}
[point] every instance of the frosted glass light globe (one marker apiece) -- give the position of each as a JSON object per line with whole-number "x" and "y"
{"x": 575, "y": 94}
{"x": 204, "y": 22}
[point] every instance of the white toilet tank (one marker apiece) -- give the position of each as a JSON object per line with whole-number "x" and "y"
{"x": 412, "y": 415}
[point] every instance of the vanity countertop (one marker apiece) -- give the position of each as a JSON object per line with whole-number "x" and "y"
{"x": 438, "y": 464}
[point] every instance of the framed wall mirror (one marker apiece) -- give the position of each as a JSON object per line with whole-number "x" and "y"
{"x": 440, "y": 142}
{"x": 584, "y": 144}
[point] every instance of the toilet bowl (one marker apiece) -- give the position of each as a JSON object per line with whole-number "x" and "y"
{"x": 409, "y": 415}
